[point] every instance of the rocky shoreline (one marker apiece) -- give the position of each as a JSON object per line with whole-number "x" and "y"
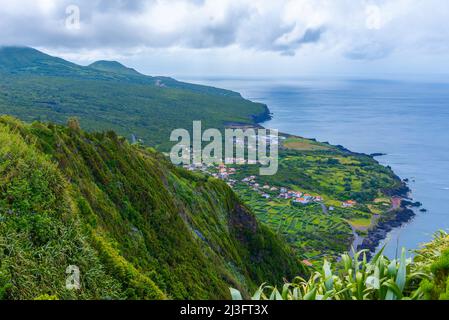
{"x": 380, "y": 232}
{"x": 256, "y": 121}
{"x": 395, "y": 218}
{"x": 265, "y": 116}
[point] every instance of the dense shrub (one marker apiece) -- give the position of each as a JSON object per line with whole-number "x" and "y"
{"x": 137, "y": 227}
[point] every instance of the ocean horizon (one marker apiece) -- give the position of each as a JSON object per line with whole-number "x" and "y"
{"x": 405, "y": 120}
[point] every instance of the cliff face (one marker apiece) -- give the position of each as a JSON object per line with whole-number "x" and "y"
{"x": 136, "y": 226}
{"x": 264, "y": 116}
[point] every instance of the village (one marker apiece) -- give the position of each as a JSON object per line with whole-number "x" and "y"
{"x": 227, "y": 174}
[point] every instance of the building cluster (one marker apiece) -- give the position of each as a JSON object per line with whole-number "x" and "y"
{"x": 266, "y": 191}
{"x": 349, "y": 204}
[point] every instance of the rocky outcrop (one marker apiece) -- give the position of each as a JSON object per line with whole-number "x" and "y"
{"x": 266, "y": 115}
{"x": 393, "y": 219}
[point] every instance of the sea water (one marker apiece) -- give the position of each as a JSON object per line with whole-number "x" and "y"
{"x": 406, "y": 120}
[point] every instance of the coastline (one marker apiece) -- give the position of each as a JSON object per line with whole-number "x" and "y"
{"x": 400, "y": 213}
{"x": 392, "y": 219}
{"x": 264, "y": 116}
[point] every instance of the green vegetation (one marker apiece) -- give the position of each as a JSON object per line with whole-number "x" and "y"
{"x": 326, "y": 229}
{"x": 114, "y": 67}
{"x": 140, "y": 228}
{"x": 35, "y": 86}
{"x": 306, "y": 228}
{"x": 423, "y": 278}
{"x": 301, "y": 144}
{"x": 337, "y": 173}
{"x": 434, "y": 259}
{"x": 137, "y": 227}
{"x": 108, "y": 96}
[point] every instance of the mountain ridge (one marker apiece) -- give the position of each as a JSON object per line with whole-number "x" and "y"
{"x": 113, "y": 66}
{"x": 38, "y": 87}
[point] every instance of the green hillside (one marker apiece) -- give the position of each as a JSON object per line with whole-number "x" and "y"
{"x": 109, "y": 96}
{"x": 137, "y": 227}
{"x": 114, "y": 67}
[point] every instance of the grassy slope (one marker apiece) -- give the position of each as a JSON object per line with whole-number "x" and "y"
{"x": 136, "y": 226}
{"x": 35, "y": 86}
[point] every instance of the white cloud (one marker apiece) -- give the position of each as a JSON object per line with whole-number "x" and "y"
{"x": 353, "y": 29}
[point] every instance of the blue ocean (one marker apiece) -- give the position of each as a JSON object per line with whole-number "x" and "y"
{"x": 406, "y": 120}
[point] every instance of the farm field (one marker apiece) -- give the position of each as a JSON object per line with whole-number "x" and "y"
{"x": 351, "y": 190}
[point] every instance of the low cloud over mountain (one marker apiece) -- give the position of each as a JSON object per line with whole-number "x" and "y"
{"x": 353, "y": 30}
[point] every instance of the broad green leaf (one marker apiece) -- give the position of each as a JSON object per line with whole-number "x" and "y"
{"x": 328, "y": 279}
{"x": 373, "y": 282}
{"x": 275, "y": 295}
{"x": 285, "y": 291}
{"x": 392, "y": 268}
{"x": 235, "y": 294}
{"x": 296, "y": 294}
{"x": 347, "y": 262}
{"x": 394, "y": 292}
{"x": 311, "y": 295}
{"x": 402, "y": 272}
{"x": 258, "y": 293}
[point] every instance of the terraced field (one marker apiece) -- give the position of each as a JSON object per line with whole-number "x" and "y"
{"x": 336, "y": 175}
{"x": 307, "y": 229}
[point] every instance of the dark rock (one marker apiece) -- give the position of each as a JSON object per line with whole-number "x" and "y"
{"x": 374, "y": 155}
{"x": 394, "y": 219}
{"x": 406, "y": 203}
{"x": 266, "y": 115}
{"x": 401, "y": 191}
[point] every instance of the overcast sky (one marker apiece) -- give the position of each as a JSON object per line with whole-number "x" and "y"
{"x": 238, "y": 38}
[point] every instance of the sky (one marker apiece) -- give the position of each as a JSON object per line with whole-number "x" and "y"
{"x": 252, "y": 38}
